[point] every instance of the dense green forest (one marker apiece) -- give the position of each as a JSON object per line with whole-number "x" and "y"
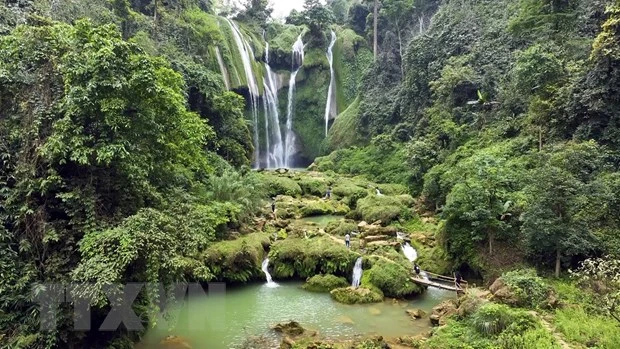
{"x": 140, "y": 142}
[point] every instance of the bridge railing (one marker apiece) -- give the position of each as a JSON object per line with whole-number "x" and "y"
{"x": 447, "y": 279}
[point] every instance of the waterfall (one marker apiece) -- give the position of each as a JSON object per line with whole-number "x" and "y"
{"x": 378, "y": 192}
{"x": 223, "y": 70}
{"x": 330, "y": 106}
{"x": 410, "y": 252}
{"x": 265, "y": 268}
{"x": 298, "y": 61}
{"x": 274, "y": 156}
{"x": 357, "y": 273}
{"x": 247, "y": 56}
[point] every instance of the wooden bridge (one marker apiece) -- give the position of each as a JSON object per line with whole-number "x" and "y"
{"x": 440, "y": 281}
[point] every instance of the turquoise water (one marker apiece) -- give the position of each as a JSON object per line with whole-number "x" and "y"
{"x": 226, "y": 321}
{"x": 323, "y": 220}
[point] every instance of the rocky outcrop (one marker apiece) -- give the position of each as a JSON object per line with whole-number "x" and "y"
{"x": 442, "y": 312}
{"x": 352, "y": 295}
{"x": 291, "y": 328}
{"x": 416, "y": 313}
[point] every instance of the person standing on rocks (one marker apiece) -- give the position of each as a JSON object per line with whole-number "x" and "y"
{"x": 328, "y": 193}
{"x": 347, "y": 240}
{"x": 273, "y": 208}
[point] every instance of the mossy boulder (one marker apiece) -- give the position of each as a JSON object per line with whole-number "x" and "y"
{"x": 291, "y": 328}
{"x": 324, "y": 283}
{"x": 523, "y": 288}
{"x": 237, "y": 260}
{"x": 323, "y": 207}
{"x": 383, "y": 208}
{"x": 349, "y": 192}
{"x": 299, "y": 257}
{"x": 315, "y": 186}
{"x": 391, "y": 278}
{"x": 341, "y": 227}
{"x": 360, "y": 295}
{"x": 280, "y": 185}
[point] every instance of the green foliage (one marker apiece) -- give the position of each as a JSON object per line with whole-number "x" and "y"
{"x": 279, "y": 185}
{"x": 247, "y": 190}
{"x": 324, "y": 283}
{"x": 531, "y": 290}
{"x": 308, "y": 257}
{"x": 323, "y": 207}
{"x": 391, "y": 278}
{"x": 383, "y": 161}
{"x": 384, "y": 208}
{"x": 360, "y": 295}
{"x": 237, "y": 260}
{"x": 341, "y": 227}
{"x": 600, "y": 331}
{"x": 315, "y": 15}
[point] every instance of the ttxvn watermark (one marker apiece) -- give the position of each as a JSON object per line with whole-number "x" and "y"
{"x": 176, "y": 301}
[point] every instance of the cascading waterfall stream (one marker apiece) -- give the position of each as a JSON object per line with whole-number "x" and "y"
{"x": 410, "y": 252}
{"x": 298, "y": 61}
{"x": 223, "y": 69}
{"x": 357, "y": 273}
{"x": 247, "y": 56}
{"x": 265, "y": 268}
{"x": 274, "y": 156}
{"x": 330, "y": 106}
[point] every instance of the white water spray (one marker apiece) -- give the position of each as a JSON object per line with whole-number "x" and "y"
{"x": 274, "y": 156}
{"x": 330, "y": 106}
{"x": 265, "y": 268}
{"x": 298, "y": 61}
{"x": 247, "y": 56}
{"x": 357, "y": 273}
{"x": 410, "y": 252}
{"x": 223, "y": 69}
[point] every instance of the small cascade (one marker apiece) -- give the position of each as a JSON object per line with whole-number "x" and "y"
{"x": 378, "y": 192}
{"x": 298, "y": 61}
{"x": 223, "y": 69}
{"x": 330, "y": 106}
{"x": 424, "y": 275}
{"x": 247, "y": 56}
{"x": 274, "y": 155}
{"x": 410, "y": 252}
{"x": 357, "y": 273}
{"x": 265, "y": 268}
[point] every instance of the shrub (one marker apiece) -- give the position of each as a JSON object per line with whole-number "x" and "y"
{"x": 324, "y": 283}
{"x": 360, "y": 295}
{"x": 530, "y": 289}
{"x": 492, "y": 319}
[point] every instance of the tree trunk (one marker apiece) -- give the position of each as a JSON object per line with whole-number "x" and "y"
{"x": 376, "y": 14}
{"x": 400, "y": 52}
{"x": 540, "y": 138}
{"x": 557, "y": 263}
{"x": 491, "y": 238}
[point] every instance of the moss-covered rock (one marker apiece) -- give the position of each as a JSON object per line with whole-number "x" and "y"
{"x": 323, "y": 207}
{"x": 237, "y": 260}
{"x": 315, "y": 186}
{"x": 280, "y": 185}
{"x": 383, "y": 208}
{"x": 299, "y": 257}
{"x": 360, "y": 295}
{"x": 349, "y": 192}
{"x": 391, "y": 278}
{"x": 324, "y": 283}
{"x": 341, "y": 228}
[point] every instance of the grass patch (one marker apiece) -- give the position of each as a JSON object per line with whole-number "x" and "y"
{"x": 384, "y": 208}
{"x": 587, "y": 329}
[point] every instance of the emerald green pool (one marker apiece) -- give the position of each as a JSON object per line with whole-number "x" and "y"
{"x": 226, "y": 321}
